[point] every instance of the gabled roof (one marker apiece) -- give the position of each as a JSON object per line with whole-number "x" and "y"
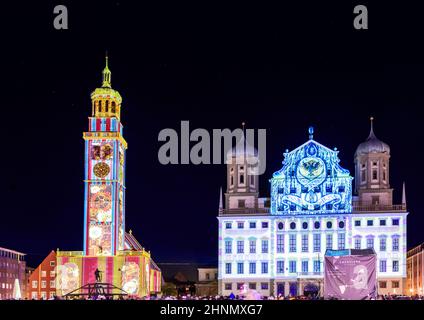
{"x": 131, "y": 242}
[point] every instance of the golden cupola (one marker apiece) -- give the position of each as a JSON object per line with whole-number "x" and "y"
{"x": 106, "y": 102}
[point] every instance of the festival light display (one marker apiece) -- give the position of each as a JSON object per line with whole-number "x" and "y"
{"x": 119, "y": 257}
{"x": 104, "y": 173}
{"x": 311, "y": 182}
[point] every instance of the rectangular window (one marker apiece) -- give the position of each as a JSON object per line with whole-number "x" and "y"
{"x": 395, "y": 244}
{"x": 317, "y": 266}
{"x": 395, "y": 284}
{"x": 292, "y": 243}
{"x": 280, "y": 266}
{"x": 34, "y": 284}
{"x": 228, "y": 246}
{"x": 305, "y": 266}
{"x": 341, "y": 241}
{"x": 252, "y": 285}
{"x": 228, "y": 268}
{"x": 357, "y": 243}
{"x": 329, "y": 241}
{"x": 252, "y": 225}
{"x": 52, "y": 284}
{"x": 382, "y": 244}
{"x": 264, "y": 246}
{"x": 240, "y": 268}
{"x": 305, "y": 245}
{"x": 241, "y": 203}
{"x": 228, "y": 286}
{"x": 363, "y": 177}
{"x": 395, "y": 266}
{"x": 52, "y": 274}
{"x": 264, "y": 267}
{"x": 383, "y": 266}
{"x": 252, "y": 267}
{"x": 264, "y": 285}
{"x": 43, "y": 274}
{"x": 264, "y": 225}
{"x": 370, "y": 223}
{"x": 382, "y": 222}
{"x": 34, "y": 295}
{"x": 52, "y": 263}
{"x": 395, "y": 222}
{"x": 375, "y": 200}
{"x": 374, "y": 174}
{"x": 292, "y": 266}
{"x": 383, "y": 284}
{"x": 280, "y": 243}
{"x": 43, "y": 284}
{"x": 370, "y": 243}
{"x": 252, "y": 246}
{"x": 317, "y": 242}
{"x": 240, "y": 286}
{"x": 240, "y": 225}
{"x": 240, "y": 246}
{"x": 228, "y": 225}
{"x": 357, "y": 223}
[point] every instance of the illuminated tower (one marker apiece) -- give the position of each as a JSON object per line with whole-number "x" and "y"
{"x": 104, "y": 195}
{"x": 372, "y": 171}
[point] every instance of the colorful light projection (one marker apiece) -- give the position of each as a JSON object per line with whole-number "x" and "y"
{"x": 311, "y": 182}
{"x": 129, "y": 270}
{"x": 67, "y": 278}
{"x": 130, "y": 277}
{"x": 105, "y": 197}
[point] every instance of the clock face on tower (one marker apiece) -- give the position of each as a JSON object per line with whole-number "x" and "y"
{"x": 101, "y": 169}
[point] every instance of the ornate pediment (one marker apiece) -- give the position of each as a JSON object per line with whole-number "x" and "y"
{"x": 311, "y": 182}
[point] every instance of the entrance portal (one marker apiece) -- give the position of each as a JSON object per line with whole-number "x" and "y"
{"x": 311, "y": 289}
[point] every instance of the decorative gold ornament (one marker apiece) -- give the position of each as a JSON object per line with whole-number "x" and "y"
{"x": 101, "y": 169}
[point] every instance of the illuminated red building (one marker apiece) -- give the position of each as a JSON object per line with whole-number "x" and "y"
{"x": 42, "y": 281}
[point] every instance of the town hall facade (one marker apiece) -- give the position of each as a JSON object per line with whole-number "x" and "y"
{"x": 276, "y": 246}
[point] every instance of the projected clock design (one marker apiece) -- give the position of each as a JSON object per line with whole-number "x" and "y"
{"x": 101, "y": 169}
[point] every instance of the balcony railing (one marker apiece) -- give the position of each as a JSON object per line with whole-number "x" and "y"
{"x": 246, "y": 211}
{"x": 68, "y": 253}
{"x": 378, "y": 208}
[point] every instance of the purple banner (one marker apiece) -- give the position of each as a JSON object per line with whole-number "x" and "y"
{"x": 350, "y": 277}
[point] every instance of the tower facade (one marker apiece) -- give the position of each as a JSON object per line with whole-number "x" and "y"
{"x": 372, "y": 171}
{"x": 108, "y": 250}
{"x": 104, "y": 196}
{"x": 242, "y": 182}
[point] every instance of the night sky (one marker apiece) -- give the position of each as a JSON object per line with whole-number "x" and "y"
{"x": 276, "y": 68}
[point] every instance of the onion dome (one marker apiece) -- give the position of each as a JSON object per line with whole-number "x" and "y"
{"x": 372, "y": 144}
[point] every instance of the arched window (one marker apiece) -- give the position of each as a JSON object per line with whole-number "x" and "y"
{"x": 107, "y": 106}
{"x": 113, "y": 107}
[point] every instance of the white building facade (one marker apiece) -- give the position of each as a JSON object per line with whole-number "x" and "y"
{"x": 276, "y": 246}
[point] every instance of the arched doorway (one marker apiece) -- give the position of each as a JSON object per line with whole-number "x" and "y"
{"x": 311, "y": 289}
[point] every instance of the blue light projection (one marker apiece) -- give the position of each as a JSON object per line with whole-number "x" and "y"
{"x": 311, "y": 182}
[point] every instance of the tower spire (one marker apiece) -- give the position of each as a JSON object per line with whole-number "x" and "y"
{"x": 107, "y": 75}
{"x": 372, "y": 135}
{"x": 403, "y": 195}
{"x": 221, "y": 205}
